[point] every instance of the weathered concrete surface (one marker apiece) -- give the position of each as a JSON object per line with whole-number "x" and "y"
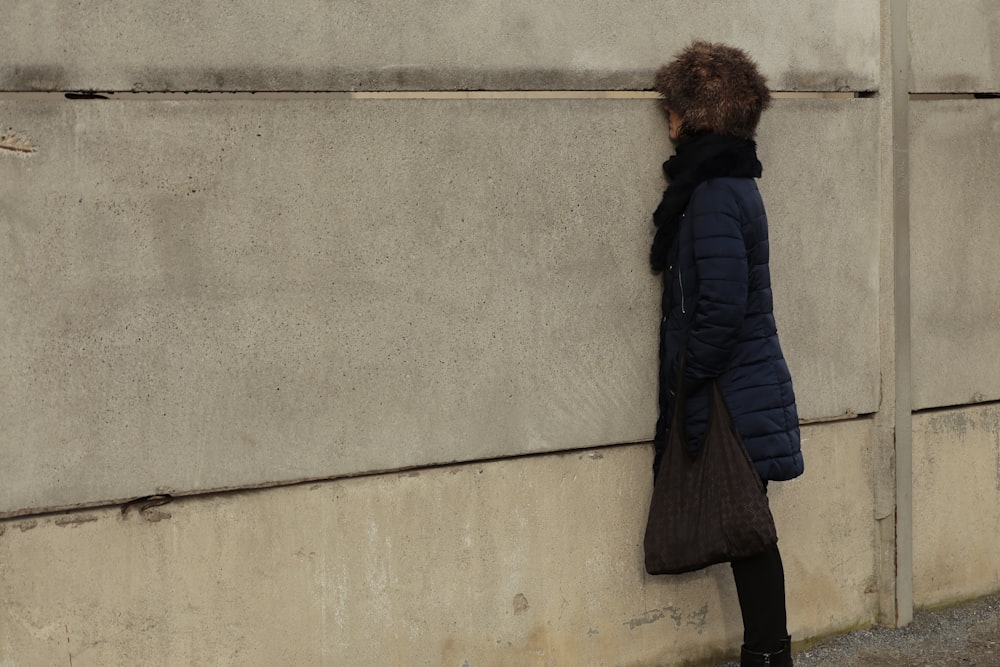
{"x": 821, "y": 189}
{"x": 827, "y": 531}
{"x": 954, "y": 46}
{"x": 204, "y": 295}
{"x": 891, "y": 465}
{"x": 532, "y": 561}
{"x": 955, "y": 220}
{"x": 956, "y": 504}
{"x": 217, "y": 294}
{"x": 441, "y": 44}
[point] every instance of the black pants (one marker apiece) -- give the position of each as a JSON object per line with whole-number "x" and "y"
{"x": 760, "y": 585}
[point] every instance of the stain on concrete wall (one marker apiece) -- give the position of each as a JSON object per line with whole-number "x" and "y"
{"x": 956, "y": 504}
{"x": 17, "y": 145}
{"x": 299, "y": 45}
{"x": 534, "y": 560}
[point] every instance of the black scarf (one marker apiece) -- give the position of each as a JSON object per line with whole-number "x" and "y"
{"x": 697, "y": 159}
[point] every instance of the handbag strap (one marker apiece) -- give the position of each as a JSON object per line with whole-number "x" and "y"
{"x": 717, "y": 408}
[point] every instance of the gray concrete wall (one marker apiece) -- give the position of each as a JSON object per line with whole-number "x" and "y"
{"x": 531, "y": 561}
{"x": 820, "y": 183}
{"x": 954, "y": 46}
{"x": 956, "y": 498}
{"x": 953, "y": 242}
{"x": 239, "y": 293}
{"x": 955, "y": 236}
{"x": 218, "y": 294}
{"x": 444, "y": 44}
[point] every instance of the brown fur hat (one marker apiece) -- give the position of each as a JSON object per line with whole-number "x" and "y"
{"x": 715, "y": 88}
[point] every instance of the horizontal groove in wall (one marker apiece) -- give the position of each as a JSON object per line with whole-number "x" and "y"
{"x": 125, "y": 503}
{"x": 937, "y": 97}
{"x": 957, "y": 407}
{"x": 847, "y": 416}
{"x": 453, "y": 95}
{"x": 171, "y": 495}
{"x": 400, "y": 95}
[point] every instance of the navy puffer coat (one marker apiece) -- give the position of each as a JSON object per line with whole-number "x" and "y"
{"x": 717, "y": 306}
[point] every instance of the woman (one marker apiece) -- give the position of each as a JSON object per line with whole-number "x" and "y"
{"x": 711, "y": 247}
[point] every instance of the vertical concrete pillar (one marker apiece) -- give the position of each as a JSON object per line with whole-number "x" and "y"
{"x": 893, "y": 460}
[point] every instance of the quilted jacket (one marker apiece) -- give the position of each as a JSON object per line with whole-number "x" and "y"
{"x": 718, "y": 308}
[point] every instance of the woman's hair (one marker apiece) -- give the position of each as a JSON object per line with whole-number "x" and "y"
{"x": 715, "y": 88}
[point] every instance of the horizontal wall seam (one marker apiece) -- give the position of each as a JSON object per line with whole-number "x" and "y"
{"x": 937, "y": 97}
{"x": 165, "y": 497}
{"x": 956, "y": 406}
{"x": 451, "y": 95}
{"x": 847, "y": 416}
{"x": 390, "y": 95}
{"x": 168, "y": 496}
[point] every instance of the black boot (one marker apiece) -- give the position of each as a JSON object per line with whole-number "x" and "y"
{"x": 779, "y": 658}
{"x": 786, "y": 646}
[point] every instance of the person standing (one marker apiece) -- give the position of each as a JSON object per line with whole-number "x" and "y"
{"x": 711, "y": 247}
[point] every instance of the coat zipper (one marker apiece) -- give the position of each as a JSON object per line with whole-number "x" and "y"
{"x": 680, "y": 278}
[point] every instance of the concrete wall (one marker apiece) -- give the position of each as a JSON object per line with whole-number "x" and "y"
{"x": 240, "y": 293}
{"x": 442, "y": 44}
{"x": 954, "y": 46}
{"x": 529, "y": 561}
{"x": 956, "y": 233}
{"x": 956, "y": 504}
{"x": 248, "y": 292}
{"x": 229, "y": 292}
{"x": 954, "y": 239}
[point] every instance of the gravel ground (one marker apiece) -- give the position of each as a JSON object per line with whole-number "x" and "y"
{"x": 961, "y": 636}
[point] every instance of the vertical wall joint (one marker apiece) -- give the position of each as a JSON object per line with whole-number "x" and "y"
{"x": 903, "y": 421}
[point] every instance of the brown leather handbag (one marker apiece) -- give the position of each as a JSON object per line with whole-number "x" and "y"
{"x": 708, "y": 506}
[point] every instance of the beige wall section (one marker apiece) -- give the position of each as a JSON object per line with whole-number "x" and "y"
{"x": 441, "y": 44}
{"x": 213, "y": 294}
{"x": 204, "y": 295}
{"x": 955, "y": 220}
{"x": 821, "y": 189}
{"x": 954, "y": 46}
{"x": 956, "y": 504}
{"x": 529, "y": 561}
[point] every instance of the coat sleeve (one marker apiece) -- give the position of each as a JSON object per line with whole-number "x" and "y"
{"x": 720, "y": 302}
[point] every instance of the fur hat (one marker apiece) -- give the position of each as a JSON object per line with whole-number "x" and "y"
{"x": 715, "y": 88}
